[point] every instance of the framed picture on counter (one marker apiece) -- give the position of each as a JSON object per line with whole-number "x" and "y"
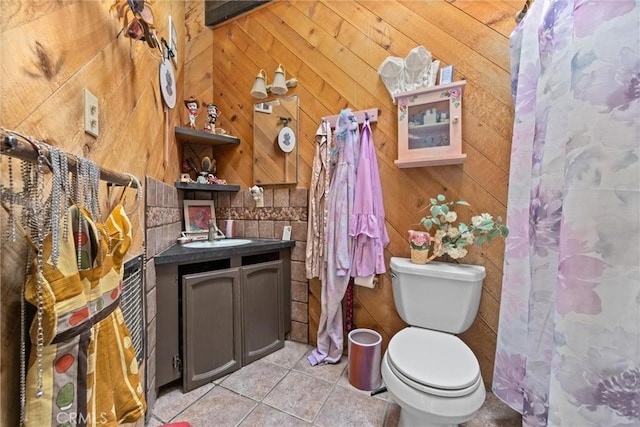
{"x": 198, "y": 214}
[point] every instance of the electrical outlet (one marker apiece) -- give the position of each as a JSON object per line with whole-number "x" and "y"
{"x": 286, "y": 232}
{"x": 91, "y": 124}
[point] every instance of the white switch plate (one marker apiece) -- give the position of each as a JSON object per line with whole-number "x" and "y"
{"x": 91, "y": 123}
{"x": 286, "y": 232}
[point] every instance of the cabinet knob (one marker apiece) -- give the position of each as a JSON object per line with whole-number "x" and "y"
{"x": 455, "y": 119}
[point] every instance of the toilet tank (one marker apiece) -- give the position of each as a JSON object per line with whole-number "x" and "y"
{"x": 438, "y": 295}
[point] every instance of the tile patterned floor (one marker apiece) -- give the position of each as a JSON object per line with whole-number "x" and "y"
{"x": 283, "y": 390}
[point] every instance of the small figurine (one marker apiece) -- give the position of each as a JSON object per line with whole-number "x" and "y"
{"x": 215, "y": 180}
{"x": 212, "y": 116}
{"x": 193, "y": 106}
{"x": 257, "y": 194}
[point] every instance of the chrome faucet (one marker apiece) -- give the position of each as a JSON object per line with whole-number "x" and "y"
{"x": 214, "y": 232}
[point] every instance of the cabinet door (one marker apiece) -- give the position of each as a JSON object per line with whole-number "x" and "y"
{"x": 262, "y": 310}
{"x": 167, "y": 325}
{"x": 211, "y": 326}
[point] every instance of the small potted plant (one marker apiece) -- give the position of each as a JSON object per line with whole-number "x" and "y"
{"x": 419, "y": 242}
{"x": 450, "y": 238}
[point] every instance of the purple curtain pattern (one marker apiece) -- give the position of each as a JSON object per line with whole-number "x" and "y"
{"x": 568, "y": 351}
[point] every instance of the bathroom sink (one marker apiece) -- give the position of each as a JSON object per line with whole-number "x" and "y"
{"x": 223, "y": 243}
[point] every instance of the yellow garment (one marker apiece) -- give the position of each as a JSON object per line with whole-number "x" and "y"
{"x": 90, "y": 373}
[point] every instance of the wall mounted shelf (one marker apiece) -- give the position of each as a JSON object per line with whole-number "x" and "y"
{"x": 196, "y": 137}
{"x": 192, "y": 136}
{"x": 195, "y": 186}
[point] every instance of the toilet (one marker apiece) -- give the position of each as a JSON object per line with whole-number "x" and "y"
{"x": 431, "y": 373}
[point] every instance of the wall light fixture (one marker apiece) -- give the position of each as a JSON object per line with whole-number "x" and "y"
{"x": 280, "y": 84}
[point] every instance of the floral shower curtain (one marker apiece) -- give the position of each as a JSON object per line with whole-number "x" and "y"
{"x": 568, "y": 350}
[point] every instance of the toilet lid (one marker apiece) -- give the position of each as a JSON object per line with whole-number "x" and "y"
{"x": 434, "y": 359}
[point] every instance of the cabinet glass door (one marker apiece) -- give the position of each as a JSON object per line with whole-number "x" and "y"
{"x": 429, "y": 125}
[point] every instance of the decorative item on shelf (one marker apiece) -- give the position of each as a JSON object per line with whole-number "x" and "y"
{"x": 207, "y": 173}
{"x": 212, "y": 116}
{"x": 257, "y": 193}
{"x": 188, "y": 166}
{"x": 212, "y": 179}
{"x": 208, "y": 167}
{"x": 450, "y": 239}
{"x": 193, "y": 107}
{"x": 197, "y": 215}
{"x": 413, "y": 72}
{"x": 446, "y": 75}
{"x": 280, "y": 84}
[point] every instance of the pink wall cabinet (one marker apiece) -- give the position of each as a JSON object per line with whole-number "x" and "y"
{"x": 430, "y": 126}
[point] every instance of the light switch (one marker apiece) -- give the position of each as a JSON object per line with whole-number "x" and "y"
{"x": 91, "y": 123}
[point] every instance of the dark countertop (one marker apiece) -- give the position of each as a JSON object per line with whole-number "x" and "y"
{"x": 177, "y": 254}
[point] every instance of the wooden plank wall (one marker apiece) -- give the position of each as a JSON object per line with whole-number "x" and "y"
{"x": 51, "y": 51}
{"x": 334, "y": 49}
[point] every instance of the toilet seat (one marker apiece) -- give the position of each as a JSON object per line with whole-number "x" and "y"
{"x": 433, "y": 362}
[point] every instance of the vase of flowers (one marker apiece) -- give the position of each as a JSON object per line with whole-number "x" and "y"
{"x": 452, "y": 238}
{"x": 419, "y": 241}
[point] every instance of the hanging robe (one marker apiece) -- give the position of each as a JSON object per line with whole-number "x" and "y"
{"x": 367, "y": 224}
{"x": 89, "y": 369}
{"x": 318, "y": 193}
{"x": 338, "y": 242}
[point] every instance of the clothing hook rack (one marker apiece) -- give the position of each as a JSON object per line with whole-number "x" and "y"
{"x": 361, "y": 115}
{"x": 16, "y": 145}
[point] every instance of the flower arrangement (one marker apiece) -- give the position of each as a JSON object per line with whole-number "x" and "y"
{"x": 451, "y": 239}
{"x": 419, "y": 240}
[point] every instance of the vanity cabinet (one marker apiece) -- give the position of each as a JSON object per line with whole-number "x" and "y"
{"x": 262, "y": 303}
{"x": 219, "y": 310}
{"x": 211, "y": 326}
{"x": 430, "y": 126}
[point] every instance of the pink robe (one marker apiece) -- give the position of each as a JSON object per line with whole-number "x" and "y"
{"x": 367, "y": 224}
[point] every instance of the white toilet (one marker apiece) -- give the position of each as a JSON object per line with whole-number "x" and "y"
{"x": 430, "y": 372}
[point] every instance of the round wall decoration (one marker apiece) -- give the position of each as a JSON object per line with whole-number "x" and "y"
{"x": 168, "y": 83}
{"x": 286, "y": 139}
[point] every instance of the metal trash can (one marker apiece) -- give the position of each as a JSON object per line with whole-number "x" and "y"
{"x": 365, "y": 347}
